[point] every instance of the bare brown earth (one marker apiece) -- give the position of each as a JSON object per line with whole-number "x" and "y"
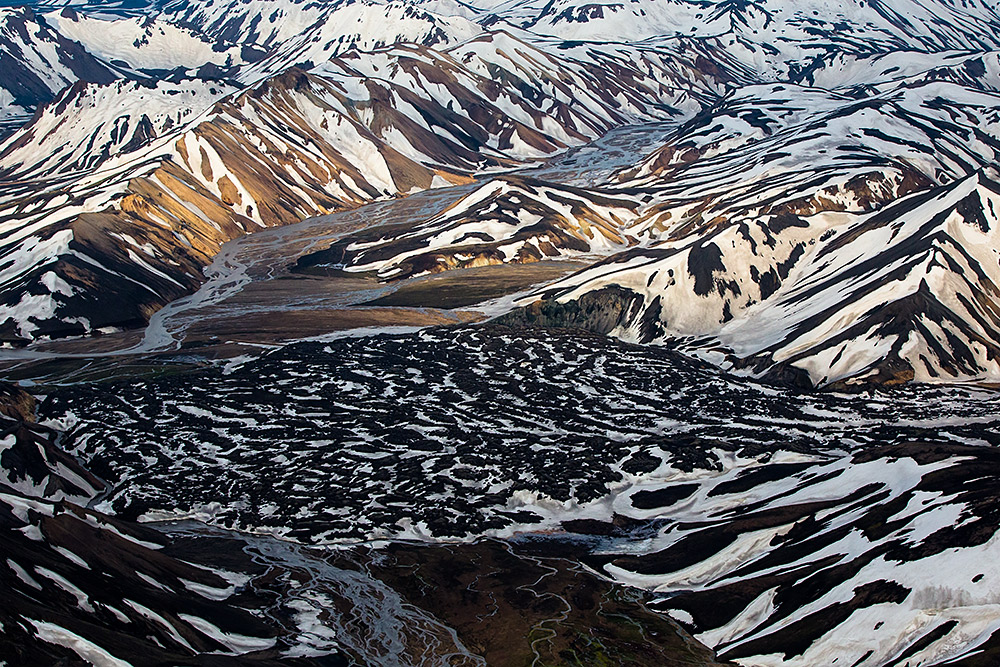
{"x": 276, "y": 327}
{"x": 286, "y": 307}
{"x": 489, "y": 602}
{"x": 507, "y": 604}
{"x": 466, "y": 287}
{"x": 515, "y": 608}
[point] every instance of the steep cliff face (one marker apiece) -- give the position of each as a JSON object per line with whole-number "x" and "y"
{"x": 602, "y": 311}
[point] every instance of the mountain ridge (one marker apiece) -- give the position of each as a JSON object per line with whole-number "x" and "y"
{"x": 314, "y": 115}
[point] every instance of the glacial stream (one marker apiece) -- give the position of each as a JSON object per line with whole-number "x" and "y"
{"x": 250, "y": 276}
{"x": 266, "y": 255}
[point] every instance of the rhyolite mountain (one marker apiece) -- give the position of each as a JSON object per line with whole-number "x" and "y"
{"x": 787, "y": 231}
{"x": 138, "y": 183}
{"x": 799, "y": 126}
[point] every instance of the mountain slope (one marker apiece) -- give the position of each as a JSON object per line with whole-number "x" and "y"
{"x": 775, "y": 39}
{"x": 147, "y": 44}
{"x": 808, "y": 560}
{"x": 38, "y": 62}
{"x": 751, "y": 201}
{"x": 743, "y": 202}
{"x": 910, "y": 292}
{"x": 187, "y": 167}
{"x": 510, "y": 220}
{"x": 325, "y": 108}
{"x": 80, "y": 586}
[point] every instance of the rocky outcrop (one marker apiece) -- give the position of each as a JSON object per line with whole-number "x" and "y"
{"x": 605, "y": 311}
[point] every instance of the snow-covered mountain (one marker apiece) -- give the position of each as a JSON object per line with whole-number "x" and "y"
{"x": 809, "y": 560}
{"x": 774, "y": 38}
{"x": 718, "y": 252}
{"x": 908, "y": 292}
{"x": 38, "y": 62}
{"x": 185, "y": 166}
{"x": 745, "y": 207}
{"x": 509, "y": 220}
{"x": 60, "y": 43}
{"x": 744, "y": 215}
{"x": 144, "y": 43}
{"x": 804, "y": 122}
{"x": 816, "y": 204}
